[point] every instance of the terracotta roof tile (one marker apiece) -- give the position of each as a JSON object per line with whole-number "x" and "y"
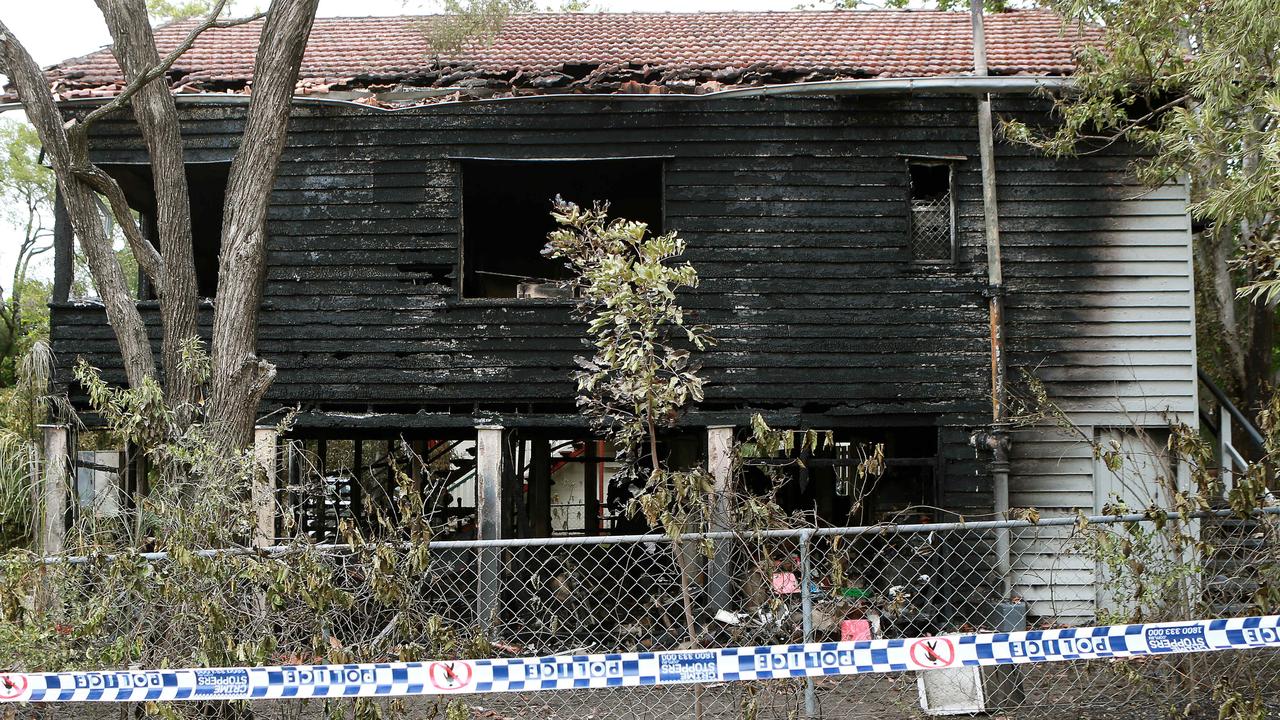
{"x": 358, "y": 52}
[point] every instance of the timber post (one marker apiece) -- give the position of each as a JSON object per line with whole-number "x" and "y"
{"x": 263, "y": 492}
{"x": 490, "y": 457}
{"x": 52, "y": 492}
{"x": 720, "y": 467}
{"x": 540, "y": 488}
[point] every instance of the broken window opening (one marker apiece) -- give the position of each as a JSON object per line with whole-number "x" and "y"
{"x": 933, "y": 218}
{"x": 206, "y": 186}
{"x": 506, "y": 216}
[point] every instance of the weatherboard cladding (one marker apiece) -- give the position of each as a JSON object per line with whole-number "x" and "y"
{"x": 795, "y": 213}
{"x": 1052, "y": 471}
{"x": 1099, "y": 306}
{"x": 364, "y": 229}
{"x": 1099, "y": 286}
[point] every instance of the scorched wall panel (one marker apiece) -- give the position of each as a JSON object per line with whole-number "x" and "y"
{"x": 795, "y": 212}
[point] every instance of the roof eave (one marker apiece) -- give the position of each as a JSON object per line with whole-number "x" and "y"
{"x": 969, "y": 84}
{"x": 966, "y": 84}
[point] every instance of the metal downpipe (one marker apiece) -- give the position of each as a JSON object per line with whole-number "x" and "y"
{"x": 999, "y": 439}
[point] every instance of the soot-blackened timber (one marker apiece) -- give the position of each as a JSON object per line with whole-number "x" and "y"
{"x": 798, "y": 217}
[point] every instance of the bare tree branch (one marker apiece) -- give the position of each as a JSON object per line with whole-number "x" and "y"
{"x": 240, "y": 378}
{"x": 159, "y": 69}
{"x": 146, "y": 254}
{"x": 33, "y": 90}
{"x": 156, "y": 113}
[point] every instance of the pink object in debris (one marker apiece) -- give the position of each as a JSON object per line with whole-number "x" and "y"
{"x": 854, "y": 630}
{"x": 785, "y": 583}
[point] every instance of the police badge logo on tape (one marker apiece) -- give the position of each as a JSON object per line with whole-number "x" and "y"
{"x": 12, "y": 686}
{"x": 453, "y": 675}
{"x": 932, "y": 653}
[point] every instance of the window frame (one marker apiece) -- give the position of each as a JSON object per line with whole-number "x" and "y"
{"x": 949, "y": 162}
{"x": 147, "y": 293}
{"x": 460, "y": 163}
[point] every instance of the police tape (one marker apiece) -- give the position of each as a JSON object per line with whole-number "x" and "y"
{"x": 641, "y": 669}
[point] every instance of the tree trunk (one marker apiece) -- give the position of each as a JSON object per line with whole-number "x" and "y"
{"x": 82, "y": 208}
{"x": 1213, "y": 267}
{"x": 240, "y": 377}
{"x": 1259, "y": 356}
{"x": 1236, "y": 339}
{"x": 156, "y": 113}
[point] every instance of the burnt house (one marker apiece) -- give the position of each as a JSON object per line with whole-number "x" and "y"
{"x": 824, "y": 167}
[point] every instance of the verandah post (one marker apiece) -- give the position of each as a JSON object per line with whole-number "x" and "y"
{"x": 720, "y": 467}
{"x": 263, "y": 493}
{"x": 489, "y": 516}
{"x": 53, "y": 490}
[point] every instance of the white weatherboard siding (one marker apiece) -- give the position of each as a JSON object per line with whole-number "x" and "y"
{"x": 1055, "y": 471}
{"x": 1100, "y": 307}
{"x": 1141, "y": 477}
{"x": 1052, "y": 471}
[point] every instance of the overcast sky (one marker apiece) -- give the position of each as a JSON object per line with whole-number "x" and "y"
{"x": 55, "y": 30}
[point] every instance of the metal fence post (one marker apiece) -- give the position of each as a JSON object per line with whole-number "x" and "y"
{"x": 806, "y": 612}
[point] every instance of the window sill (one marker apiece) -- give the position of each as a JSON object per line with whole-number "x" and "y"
{"x": 512, "y": 302}
{"x": 81, "y": 303}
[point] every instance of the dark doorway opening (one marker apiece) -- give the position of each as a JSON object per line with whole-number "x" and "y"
{"x": 824, "y": 484}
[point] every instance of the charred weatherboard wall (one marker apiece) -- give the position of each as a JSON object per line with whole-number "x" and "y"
{"x": 1100, "y": 308}
{"x": 796, "y": 217}
{"x": 796, "y": 212}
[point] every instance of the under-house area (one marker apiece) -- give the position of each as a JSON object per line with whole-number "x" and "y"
{"x": 552, "y": 487}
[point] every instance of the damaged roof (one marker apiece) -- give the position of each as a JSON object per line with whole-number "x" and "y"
{"x": 611, "y": 52}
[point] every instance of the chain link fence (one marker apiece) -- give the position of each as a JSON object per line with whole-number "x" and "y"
{"x": 581, "y": 595}
{"x": 624, "y": 594}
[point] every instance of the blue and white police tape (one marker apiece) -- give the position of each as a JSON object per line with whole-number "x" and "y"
{"x": 645, "y": 668}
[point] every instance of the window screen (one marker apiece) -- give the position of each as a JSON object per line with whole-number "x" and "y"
{"x": 932, "y": 218}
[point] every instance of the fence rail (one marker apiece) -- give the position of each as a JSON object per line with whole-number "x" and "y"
{"x": 1061, "y": 521}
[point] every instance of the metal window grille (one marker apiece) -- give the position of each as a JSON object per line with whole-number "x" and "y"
{"x": 931, "y": 230}
{"x": 932, "y": 216}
